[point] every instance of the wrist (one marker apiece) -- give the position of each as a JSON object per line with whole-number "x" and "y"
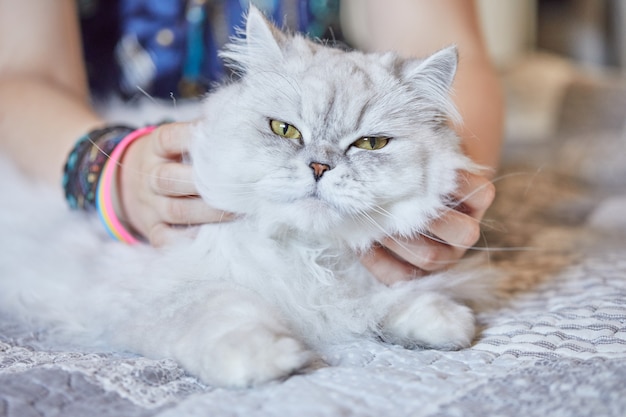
{"x": 104, "y": 198}
{"x": 129, "y": 176}
{"x": 85, "y": 163}
{"x": 92, "y": 177}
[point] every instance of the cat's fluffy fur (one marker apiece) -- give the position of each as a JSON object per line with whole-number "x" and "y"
{"x": 252, "y": 300}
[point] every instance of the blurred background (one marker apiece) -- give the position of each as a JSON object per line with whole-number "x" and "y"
{"x": 591, "y": 32}
{"x": 563, "y": 69}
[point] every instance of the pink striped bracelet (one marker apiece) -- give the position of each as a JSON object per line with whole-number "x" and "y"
{"x": 104, "y": 197}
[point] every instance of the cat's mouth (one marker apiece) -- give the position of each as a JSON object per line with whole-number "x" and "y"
{"x": 323, "y": 202}
{"x": 311, "y": 206}
{"x": 314, "y": 200}
{"x": 314, "y": 194}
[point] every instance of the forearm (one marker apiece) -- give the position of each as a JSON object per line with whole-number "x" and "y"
{"x": 44, "y": 104}
{"x": 478, "y": 96}
{"x": 39, "y": 124}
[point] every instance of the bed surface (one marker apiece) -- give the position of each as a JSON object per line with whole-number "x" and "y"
{"x": 555, "y": 346}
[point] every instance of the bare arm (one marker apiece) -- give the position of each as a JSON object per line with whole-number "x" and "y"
{"x": 44, "y": 109}
{"x": 43, "y": 91}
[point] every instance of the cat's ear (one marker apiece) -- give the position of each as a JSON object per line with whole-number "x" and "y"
{"x": 260, "y": 46}
{"x": 434, "y": 76}
{"x": 262, "y": 34}
{"x": 438, "y": 69}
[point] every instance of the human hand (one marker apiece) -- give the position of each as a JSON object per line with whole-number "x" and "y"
{"x": 395, "y": 260}
{"x": 155, "y": 188}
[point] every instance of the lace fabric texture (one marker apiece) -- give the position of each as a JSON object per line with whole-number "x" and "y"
{"x": 560, "y": 345}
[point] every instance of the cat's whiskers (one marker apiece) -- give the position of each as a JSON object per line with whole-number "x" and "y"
{"x": 382, "y": 211}
{"x": 400, "y": 244}
{"x": 371, "y": 221}
{"x": 494, "y": 225}
{"x": 475, "y": 248}
{"x": 500, "y": 178}
{"x": 378, "y": 209}
{"x": 146, "y": 94}
{"x": 396, "y": 240}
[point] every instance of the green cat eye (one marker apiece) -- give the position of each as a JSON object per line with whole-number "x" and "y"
{"x": 285, "y": 130}
{"x": 371, "y": 143}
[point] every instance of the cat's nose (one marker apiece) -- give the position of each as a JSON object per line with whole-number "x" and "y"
{"x": 319, "y": 169}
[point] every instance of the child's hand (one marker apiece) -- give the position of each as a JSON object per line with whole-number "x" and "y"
{"x": 453, "y": 233}
{"x": 156, "y": 191}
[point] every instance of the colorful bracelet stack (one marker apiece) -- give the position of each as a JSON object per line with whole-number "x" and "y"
{"x": 90, "y": 171}
{"x": 84, "y": 165}
{"x": 104, "y": 202}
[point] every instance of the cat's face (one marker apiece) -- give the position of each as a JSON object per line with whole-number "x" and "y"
{"x": 329, "y": 142}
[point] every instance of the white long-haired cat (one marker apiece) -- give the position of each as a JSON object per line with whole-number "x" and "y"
{"x": 321, "y": 153}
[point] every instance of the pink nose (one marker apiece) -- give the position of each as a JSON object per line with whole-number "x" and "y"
{"x": 319, "y": 169}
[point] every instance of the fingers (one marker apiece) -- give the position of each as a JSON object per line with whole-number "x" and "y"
{"x": 388, "y": 268}
{"x": 158, "y": 194}
{"x": 172, "y": 179}
{"x": 452, "y": 234}
{"x": 460, "y": 227}
{"x": 475, "y": 194}
{"x": 424, "y": 253}
{"x": 457, "y": 230}
{"x": 176, "y": 197}
{"x": 180, "y": 218}
{"x": 172, "y": 140}
{"x": 187, "y": 211}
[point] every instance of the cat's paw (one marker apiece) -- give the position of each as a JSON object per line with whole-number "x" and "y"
{"x": 254, "y": 355}
{"x": 430, "y": 320}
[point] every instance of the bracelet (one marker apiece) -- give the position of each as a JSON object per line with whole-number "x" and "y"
{"x": 104, "y": 201}
{"x": 84, "y": 165}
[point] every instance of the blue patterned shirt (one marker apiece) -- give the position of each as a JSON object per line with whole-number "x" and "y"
{"x": 169, "y": 47}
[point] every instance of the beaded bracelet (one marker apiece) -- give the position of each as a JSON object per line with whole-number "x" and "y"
{"x": 104, "y": 201}
{"x": 85, "y": 162}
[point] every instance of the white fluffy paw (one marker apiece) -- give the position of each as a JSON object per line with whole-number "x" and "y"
{"x": 430, "y": 320}
{"x": 253, "y": 355}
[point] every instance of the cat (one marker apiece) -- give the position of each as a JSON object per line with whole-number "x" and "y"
{"x": 320, "y": 152}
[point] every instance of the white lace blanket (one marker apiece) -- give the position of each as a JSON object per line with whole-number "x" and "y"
{"x": 556, "y": 346}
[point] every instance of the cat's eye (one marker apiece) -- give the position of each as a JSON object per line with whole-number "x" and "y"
{"x": 285, "y": 130}
{"x": 371, "y": 143}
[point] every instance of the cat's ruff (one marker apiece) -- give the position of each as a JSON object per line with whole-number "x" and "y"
{"x": 258, "y": 298}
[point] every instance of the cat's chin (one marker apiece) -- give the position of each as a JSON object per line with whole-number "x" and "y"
{"x": 312, "y": 215}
